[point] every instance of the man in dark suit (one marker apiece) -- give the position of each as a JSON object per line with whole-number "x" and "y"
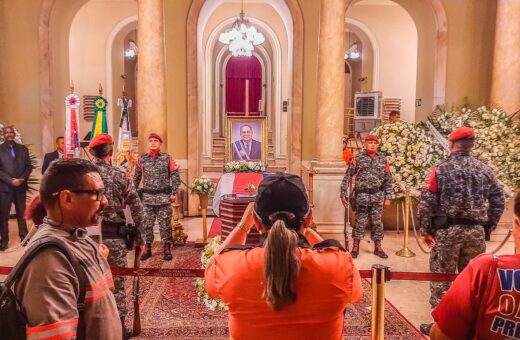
{"x": 52, "y": 156}
{"x": 15, "y": 168}
{"x": 246, "y": 148}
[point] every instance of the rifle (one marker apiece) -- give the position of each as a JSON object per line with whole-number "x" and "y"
{"x": 345, "y": 226}
{"x": 136, "y": 329}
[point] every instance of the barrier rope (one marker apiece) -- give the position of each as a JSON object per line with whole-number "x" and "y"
{"x": 190, "y": 272}
{"x": 419, "y": 243}
{"x": 509, "y": 233}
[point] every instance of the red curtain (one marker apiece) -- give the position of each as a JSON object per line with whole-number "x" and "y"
{"x": 238, "y": 70}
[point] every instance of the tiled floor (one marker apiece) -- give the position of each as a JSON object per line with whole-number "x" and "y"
{"x": 409, "y": 297}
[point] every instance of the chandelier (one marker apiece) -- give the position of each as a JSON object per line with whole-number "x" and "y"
{"x": 242, "y": 37}
{"x": 353, "y": 52}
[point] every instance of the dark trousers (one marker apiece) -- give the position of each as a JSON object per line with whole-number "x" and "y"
{"x": 17, "y": 197}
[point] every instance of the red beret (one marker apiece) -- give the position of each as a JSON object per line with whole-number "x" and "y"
{"x": 461, "y": 133}
{"x": 101, "y": 139}
{"x": 372, "y": 137}
{"x": 155, "y": 135}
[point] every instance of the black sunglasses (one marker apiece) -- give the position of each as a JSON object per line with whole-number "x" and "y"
{"x": 99, "y": 193}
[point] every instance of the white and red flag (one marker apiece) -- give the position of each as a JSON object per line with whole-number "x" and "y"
{"x": 72, "y": 102}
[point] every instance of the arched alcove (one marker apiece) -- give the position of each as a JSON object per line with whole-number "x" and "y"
{"x": 292, "y": 11}
{"x": 207, "y": 63}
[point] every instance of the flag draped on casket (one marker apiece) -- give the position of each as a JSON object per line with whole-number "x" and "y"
{"x": 235, "y": 184}
{"x": 99, "y": 124}
{"x": 71, "y": 126}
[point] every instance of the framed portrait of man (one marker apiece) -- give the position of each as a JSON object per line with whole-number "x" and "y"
{"x": 246, "y": 139}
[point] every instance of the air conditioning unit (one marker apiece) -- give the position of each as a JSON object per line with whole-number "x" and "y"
{"x": 367, "y": 110}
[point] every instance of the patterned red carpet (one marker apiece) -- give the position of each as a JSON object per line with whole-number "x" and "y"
{"x": 169, "y": 307}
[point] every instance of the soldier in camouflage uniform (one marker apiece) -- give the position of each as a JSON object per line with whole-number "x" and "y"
{"x": 160, "y": 182}
{"x": 119, "y": 191}
{"x": 461, "y": 203}
{"x": 373, "y": 184}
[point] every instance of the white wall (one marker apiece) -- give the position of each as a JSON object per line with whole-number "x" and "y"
{"x": 396, "y": 37}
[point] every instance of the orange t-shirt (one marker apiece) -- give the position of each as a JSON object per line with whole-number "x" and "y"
{"x": 328, "y": 280}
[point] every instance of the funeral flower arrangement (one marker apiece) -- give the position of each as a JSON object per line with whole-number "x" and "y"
{"x": 200, "y": 284}
{"x": 410, "y": 151}
{"x": 202, "y": 186}
{"x": 245, "y": 166}
{"x": 497, "y": 141}
{"x": 17, "y": 135}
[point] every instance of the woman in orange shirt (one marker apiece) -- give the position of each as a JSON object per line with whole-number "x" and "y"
{"x": 293, "y": 285}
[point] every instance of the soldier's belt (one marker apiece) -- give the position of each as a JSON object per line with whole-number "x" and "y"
{"x": 113, "y": 230}
{"x": 371, "y": 191}
{"x": 165, "y": 190}
{"x": 464, "y": 221}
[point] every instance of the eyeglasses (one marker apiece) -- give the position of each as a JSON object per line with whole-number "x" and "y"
{"x": 99, "y": 193}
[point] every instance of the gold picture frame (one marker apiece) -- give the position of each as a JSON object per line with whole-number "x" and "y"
{"x": 237, "y": 147}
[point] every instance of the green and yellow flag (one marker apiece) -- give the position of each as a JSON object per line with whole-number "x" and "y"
{"x": 99, "y": 124}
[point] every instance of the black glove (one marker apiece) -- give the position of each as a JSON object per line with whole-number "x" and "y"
{"x": 488, "y": 228}
{"x": 131, "y": 234}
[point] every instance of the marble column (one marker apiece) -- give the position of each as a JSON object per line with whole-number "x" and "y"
{"x": 506, "y": 68}
{"x": 151, "y": 85}
{"x": 331, "y": 82}
{"x": 46, "y": 116}
{"x": 327, "y": 168}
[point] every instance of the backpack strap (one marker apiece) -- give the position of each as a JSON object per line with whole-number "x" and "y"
{"x": 36, "y": 247}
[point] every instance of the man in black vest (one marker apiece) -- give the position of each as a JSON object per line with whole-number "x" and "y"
{"x": 15, "y": 168}
{"x": 52, "y": 156}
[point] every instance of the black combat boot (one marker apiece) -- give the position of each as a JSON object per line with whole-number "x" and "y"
{"x": 167, "y": 252}
{"x": 355, "y": 248}
{"x": 425, "y": 328}
{"x": 378, "y": 251}
{"x": 147, "y": 252}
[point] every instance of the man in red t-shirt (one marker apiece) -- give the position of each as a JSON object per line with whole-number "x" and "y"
{"x": 484, "y": 300}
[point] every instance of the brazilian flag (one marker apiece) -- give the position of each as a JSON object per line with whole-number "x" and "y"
{"x": 99, "y": 124}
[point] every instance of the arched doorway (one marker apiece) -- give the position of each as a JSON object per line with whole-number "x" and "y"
{"x": 290, "y": 121}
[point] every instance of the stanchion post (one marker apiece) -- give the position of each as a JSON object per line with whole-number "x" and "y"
{"x": 203, "y": 206}
{"x": 311, "y": 188}
{"x": 380, "y": 274}
{"x": 406, "y": 252}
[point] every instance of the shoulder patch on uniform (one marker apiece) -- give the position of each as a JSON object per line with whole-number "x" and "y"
{"x": 430, "y": 183}
{"x": 173, "y": 165}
